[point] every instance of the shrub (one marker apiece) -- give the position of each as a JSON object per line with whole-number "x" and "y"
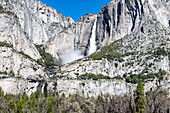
{"x": 42, "y": 80}
{"x": 116, "y": 65}
{"x": 1, "y": 92}
{"x": 6, "y": 44}
{"x": 109, "y": 52}
{"x": 26, "y": 55}
{"x": 135, "y": 78}
{"x": 19, "y": 77}
{"x": 118, "y": 77}
{"x": 161, "y": 51}
{"x": 4, "y": 77}
{"x": 6, "y": 12}
{"x": 12, "y": 74}
{"x": 125, "y": 75}
{"x": 93, "y": 76}
{"x": 4, "y": 72}
{"x": 47, "y": 59}
{"x": 1, "y": 8}
{"x": 128, "y": 79}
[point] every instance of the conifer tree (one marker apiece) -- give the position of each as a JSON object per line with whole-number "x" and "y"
{"x": 140, "y": 99}
{"x": 1, "y": 92}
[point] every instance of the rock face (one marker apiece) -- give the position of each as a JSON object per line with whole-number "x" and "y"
{"x": 39, "y": 21}
{"x": 114, "y": 21}
{"x": 140, "y": 32}
{"x": 122, "y": 17}
{"x": 72, "y": 39}
{"x": 71, "y": 21}
{"x": 18, "y": 54}
{"x": 15, "y": 86}
{"x": 92, "y": 88}
{"x": 18, "y": 58}
{"x": 12, "y": 33}
{"x": 138, "y": 26}
{"x": 137, "y": 54}
{"x": 136, "y": 34}
{"x": 95, "y": 88}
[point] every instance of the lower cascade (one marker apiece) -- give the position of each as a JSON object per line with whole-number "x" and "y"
{"x": 92, "y": 45}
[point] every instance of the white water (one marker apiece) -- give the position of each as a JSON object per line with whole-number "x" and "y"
{"x": 69, "y": 56}
{"x": 92, "y": 46}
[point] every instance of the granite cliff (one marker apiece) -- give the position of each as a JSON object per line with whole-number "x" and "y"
{"x": 39, "y": 47}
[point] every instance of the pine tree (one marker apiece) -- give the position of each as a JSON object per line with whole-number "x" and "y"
{"x": 140, "y": 99}
{"x": 1, "y": 92}
{"x": 20, "y": 106}
{"x": 25, "y": 97}
{"x": 50, "y": 104}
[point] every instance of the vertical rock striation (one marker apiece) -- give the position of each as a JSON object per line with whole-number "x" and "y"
{"x": 139, "y": 29}
{"x": 39, "y": 21}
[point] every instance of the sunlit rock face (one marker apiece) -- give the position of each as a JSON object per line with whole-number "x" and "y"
{"x": 114, "y": 21}
{"x": 72, "y": 40}
{"x": 142, "y": 26}
{"x": 18, "y": 57}
{"x": 39, "y": 21}
{"x": 122, "y": 17}
{"x": 11, "y": 58}
{"x": 135, "y": 26}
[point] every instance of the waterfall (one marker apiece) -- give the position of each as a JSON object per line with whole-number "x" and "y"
{"x": 69, "y": 56}
{"x": 92, "y": 45}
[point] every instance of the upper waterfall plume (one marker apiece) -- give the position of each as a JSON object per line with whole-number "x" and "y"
{"x": 92, "y": 45}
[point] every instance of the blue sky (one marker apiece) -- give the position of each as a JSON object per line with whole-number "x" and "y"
{"x": 76, "y": 8}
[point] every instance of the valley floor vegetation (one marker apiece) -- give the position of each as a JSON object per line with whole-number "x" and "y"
{"x": 156, "y": 101}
